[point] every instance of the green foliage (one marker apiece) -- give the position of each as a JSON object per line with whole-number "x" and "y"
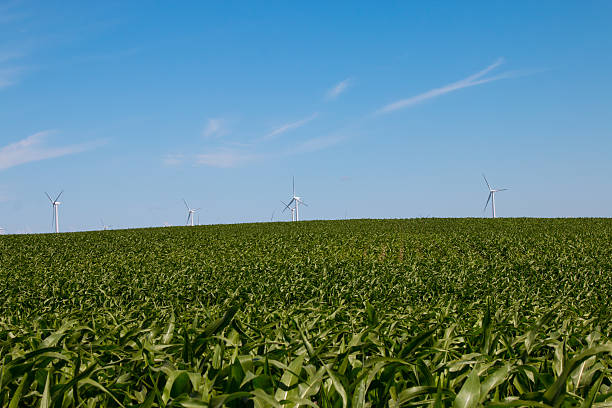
{"x": 364, "y": 313}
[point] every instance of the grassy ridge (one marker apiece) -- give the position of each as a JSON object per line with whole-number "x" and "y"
{"x": 346, "y": 313}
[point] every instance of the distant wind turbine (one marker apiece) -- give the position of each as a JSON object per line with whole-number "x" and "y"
{"x": 191, "y": 212}
{"x": 291, "y": 208}
{"x": 1, "y": 231}
{"x": 491, "y": 195}
{"x": 296, "y": 201}
{"x": 55, "y": 205}
{"x": 104, "y": 226}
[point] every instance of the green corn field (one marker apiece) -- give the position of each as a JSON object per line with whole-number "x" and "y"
{"x": 362, "y": 313}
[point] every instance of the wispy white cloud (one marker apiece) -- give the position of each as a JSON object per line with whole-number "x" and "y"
{"x": 339, "y": 88}
{"x": 233, "y": 154}
{"x": 315, "y": 144}
{"x": 225, "y": 158}
{"x": 32, "y": 149}
{"x": 9, "y": 72}
{"x": 10, "y": 55}
{"x": 173, "y": 159}
{"x": 9, "y": 76}
{"x": 215, "y": 128}
{"x": 472, "y": 80}
{"x": 289, "y": 126}
{"x": 238, "y": 154}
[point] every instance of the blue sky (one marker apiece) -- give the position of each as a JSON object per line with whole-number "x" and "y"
{"x": 379, "y": 110}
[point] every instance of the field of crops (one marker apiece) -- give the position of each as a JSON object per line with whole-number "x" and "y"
{"x": 364, "y": 313}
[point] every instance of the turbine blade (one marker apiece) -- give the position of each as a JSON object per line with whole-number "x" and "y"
{"x": 48, "y": 197}
{"x": 488, "y": 199}
{"x": 486, "y": 181}
{"x": 287, "y": 205}
{"x": 188, "y": 218}
{"x": 303, "y": 203}
{"x": 503, "y": 189}
{"x": 186, "y": 205}
{"x": 58, "y": 196}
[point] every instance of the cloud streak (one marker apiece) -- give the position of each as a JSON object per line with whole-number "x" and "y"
{"x": 228, "y": 158}
{"x": 472, "y": 80}
{"x": 173, "y": 159}
{"x": 224, "y": 158}
{"x": 339, "y": 88}
{"x": 315, "y": 144}
{"x": 214, "y": 127}
{"x": 31, "y": 149}
{"x": 288, "y": 127}
{"x": 9, "y": 74}
{"x": 9, "y": 77}
{"x": 238, "y": 154}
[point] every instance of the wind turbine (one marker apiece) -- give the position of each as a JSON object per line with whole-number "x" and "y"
{"x": 291, "y": 208}
{"x": 1, "y": 231}
{"x": 104, "y": 226}
{"x": 55, "y": 205}
{"x": 296, "y": 201}
{"x": 491, "y": 195}
{"x": 191, "y": 212}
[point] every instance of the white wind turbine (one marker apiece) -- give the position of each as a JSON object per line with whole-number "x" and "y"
{"x": 291, "y": 208}
{"x": 55, "y": 205}
{"x": 191, "y": 212}
{"x": 491, "y": 195}
{"x": 104, "y": 226}
{"x": 296, "y": 201}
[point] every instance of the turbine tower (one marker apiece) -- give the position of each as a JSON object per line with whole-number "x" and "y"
{"x": 55, "y": 205}
{"x": 296, "y": 201}
{"x": 191, "y": 211}
{"x": 491, "y": 195}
